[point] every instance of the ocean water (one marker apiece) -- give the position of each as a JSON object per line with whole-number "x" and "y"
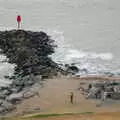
{"x": 87, "y": 32}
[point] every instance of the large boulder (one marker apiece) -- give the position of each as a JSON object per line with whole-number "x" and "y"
{"x": 115, "y": 95}
{"x": 28, "y": 94}
{"x": 72, "y": 69}
{"x": 15, "y": 98}
{"x": 7, "y": 106}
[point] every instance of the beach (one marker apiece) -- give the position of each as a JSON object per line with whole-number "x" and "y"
{"x": 54, "y": 97}
{"x": 86, "y": 37}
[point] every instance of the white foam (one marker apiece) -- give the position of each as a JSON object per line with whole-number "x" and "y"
{"x": 6, "y": 69}
{"x": 93, "y": 55}
{"x": 83, "y": 59}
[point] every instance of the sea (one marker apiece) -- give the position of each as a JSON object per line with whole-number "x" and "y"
{"x": 87, "y": 32}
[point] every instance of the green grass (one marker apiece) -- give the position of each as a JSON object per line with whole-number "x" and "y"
{"x": 42, "y": 116}
{"x": 57, "y": 115}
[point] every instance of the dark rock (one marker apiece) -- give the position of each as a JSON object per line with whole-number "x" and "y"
{"x": 73, "y": 69}
{"x": 29, "y": 51}
{"x": 15, "y": 98}
{"x": 4, "y": 88}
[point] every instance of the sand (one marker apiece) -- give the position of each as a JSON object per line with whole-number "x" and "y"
{"x": 54, "y": 97}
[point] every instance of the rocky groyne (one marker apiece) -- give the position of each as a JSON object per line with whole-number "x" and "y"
{"x": 30, "y": 52}
{"x": 101, "y": 89}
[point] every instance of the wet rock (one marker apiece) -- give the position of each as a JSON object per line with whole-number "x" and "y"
{"x": 72, "y": 69}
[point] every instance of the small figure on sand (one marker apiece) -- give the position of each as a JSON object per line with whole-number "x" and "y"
{"x": 71, "y": 97}
{"x": 18, "y": 21}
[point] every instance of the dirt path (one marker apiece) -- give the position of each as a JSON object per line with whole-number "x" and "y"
{"x": 54, "y": 98}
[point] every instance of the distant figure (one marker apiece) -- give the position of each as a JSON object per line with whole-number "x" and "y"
{"x": 90, "y": 86}
{"x": 71, "y": 97}
{"x": 18, "y": 21}
{"x": 103, "y": 95}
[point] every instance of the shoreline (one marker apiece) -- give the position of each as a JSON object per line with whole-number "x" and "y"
{"x": 96, "y": 77}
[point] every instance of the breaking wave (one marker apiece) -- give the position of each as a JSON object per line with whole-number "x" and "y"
{"x": 89, "y": 63}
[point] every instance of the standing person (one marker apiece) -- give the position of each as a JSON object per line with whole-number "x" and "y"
{"x": 18, "y": 21}
{"x": 71, "y": 97}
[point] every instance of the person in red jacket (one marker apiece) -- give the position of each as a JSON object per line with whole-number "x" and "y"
{"x": 18, "y": 20}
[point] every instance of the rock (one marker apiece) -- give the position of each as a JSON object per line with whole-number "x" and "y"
{"x": 115, "y": 95}
{"x": 72, "y": 69}
{"x": 29, "y": 82}
{"x": 17, "y": 89}
{"x": 19, "y": 83}
{"x": 93, "y": 93}
{"x": 1, "y": 101}
{"x": 28, "y": 94}
{"x": 4, "y": 88}
{"x": 2, "y": 110}
{"x": 103, "y": 90}
{"x": 15, "y": 98}
{"x": 8, "y": 106}
{"x": 6, "y": 92}
{"x": 2, "y": 96}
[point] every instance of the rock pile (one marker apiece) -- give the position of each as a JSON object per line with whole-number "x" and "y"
{"x": 29, "y": 51}
{"x": 102, "y": 90}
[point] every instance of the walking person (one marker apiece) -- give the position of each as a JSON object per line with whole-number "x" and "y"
{"x": 71, "y": 97}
